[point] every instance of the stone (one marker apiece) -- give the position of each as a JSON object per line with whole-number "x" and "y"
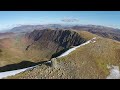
{"x": 54, "y": 63}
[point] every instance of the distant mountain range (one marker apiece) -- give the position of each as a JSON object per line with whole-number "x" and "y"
{"x": 103, "y": 31}
{"x": 30, "y": 28}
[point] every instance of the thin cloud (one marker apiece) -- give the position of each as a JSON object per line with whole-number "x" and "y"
{"x": 70, "y": 20}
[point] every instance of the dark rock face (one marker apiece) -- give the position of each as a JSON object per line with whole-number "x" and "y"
{"x": 64, "y": 38}
{"x": 53, "y": 40}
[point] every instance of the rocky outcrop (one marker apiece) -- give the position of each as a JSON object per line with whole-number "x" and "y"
{"x": 64, "y": 38}
{"x": 54, "y": 63}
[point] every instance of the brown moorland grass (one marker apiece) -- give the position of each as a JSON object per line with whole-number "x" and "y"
{"x": 87, "y": 62}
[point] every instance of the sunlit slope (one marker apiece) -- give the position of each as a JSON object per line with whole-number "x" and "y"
{"x": 39, "y": 45}
{"x": 86, "y": 62}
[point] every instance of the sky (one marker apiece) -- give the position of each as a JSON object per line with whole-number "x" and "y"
{"x": 9, "y": 19}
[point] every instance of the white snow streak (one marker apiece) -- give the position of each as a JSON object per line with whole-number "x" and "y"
{"x": 72, "y": 49}
{"x": 14, "y": 72}
{"x": 114, "y": 72}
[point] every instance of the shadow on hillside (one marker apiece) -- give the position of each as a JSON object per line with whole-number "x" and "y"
{"x": 59, "y": 53}
{"x": 21, "y": 65}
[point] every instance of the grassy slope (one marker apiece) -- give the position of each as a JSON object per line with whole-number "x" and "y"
{"x": 86, "y": 35}
{"x": 89, "y": 61}
{"x": 12, "y": 50}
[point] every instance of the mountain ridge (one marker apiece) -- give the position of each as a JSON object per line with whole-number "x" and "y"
{"x": 39, "y": 45}
{"x": 107, "y": 32}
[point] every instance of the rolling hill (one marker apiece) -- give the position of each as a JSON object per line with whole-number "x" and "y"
{"x": 106, "y": 32}
{"x": 89, "y": 61}
{"x": 37, "y": 46}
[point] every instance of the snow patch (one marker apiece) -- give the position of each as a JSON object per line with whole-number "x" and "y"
{"x": 14, "y": 72}
{"x": 48, "y": 61}
{"x": 93, "y": 41}
{"x": 72, "y": 49}
{"x": 114, "y": 72}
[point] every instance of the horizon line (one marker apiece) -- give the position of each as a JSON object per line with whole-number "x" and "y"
{"x": 18, "y": 25}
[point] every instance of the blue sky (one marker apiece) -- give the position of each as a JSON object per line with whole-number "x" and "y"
{"x": 10, "y": 19}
